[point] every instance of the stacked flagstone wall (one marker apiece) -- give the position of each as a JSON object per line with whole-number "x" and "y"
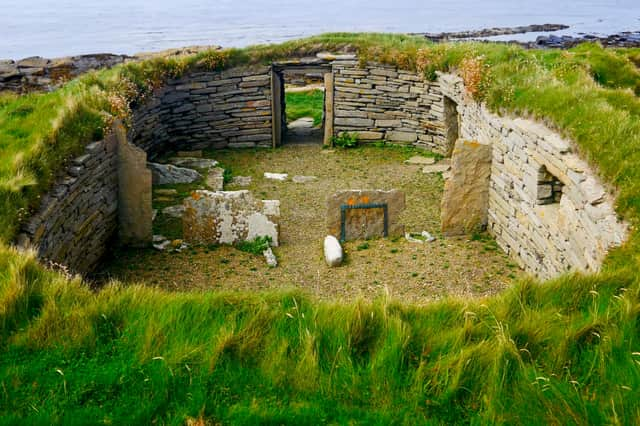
{"x": 380, "y": 102}
{"x": 546, "y": 206}
{"x": 208, "y": 109}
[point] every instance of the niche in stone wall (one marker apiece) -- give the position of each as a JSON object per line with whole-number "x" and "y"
{"x": 452, "y": 123}
{"x": 549, "y": 189}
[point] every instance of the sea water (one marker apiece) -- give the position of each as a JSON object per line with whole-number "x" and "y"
{"x": 54, "y": 28}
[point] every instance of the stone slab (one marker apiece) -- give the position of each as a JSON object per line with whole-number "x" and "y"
{"x": 135, "y": 214}
{"x": 466, "y": 193}
{"x": 226, "y": 217}
{"x": 167, "y": 174}
{"x": 418, "y": 160}
{"x": 369, "y": 222}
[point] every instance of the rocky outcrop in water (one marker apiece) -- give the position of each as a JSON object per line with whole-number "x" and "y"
{"x": 624, "y": 39}
{"x": 493, "y": 32}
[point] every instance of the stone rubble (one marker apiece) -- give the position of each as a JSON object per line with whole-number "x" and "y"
{"x": 241, "y": 180}
{"x": 167, "y": 174}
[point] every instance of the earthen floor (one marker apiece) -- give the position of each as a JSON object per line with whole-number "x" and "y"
{"x": 462, "y": 266}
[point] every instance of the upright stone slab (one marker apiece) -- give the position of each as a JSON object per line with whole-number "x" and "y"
{"x": 227, "y": 217}
{"x": 361, "y": 214}
{"x": 466, "y": 192}
{"x": 328, "y": 109}
{"x": 135, "y": 215}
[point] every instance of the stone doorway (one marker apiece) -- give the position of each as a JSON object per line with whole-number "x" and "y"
{"x": 300, "y": 102}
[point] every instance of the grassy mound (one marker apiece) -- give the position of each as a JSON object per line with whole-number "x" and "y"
{"x": 564, "y": 352}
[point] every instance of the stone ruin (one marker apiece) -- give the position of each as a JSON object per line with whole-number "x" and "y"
{"x": 229, "y": 217}
{"x": 543, "y": 204}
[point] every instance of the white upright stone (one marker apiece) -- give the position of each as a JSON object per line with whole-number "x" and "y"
{"x": 332, "y": 251}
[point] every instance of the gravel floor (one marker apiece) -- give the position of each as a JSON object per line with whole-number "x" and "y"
{"x": 412, "y": 272}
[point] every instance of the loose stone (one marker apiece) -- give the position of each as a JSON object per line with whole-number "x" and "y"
{"x": 167, "y": 174}
{"x": 276, "y": 176}
{"x": 420, "y": 161}
{"x": 270, "y": 257}
{"x": 304, "y": 179}
{"x": 193, "y": 162}
{"x": 332, "y": 251}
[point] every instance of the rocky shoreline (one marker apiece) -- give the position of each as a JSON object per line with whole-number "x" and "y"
{"x": 622, "y": 39}
{"x": 38, "y": 74}
{"x": 492, "y": 32}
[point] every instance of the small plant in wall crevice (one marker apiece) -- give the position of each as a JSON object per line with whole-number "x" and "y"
{"x": 345, "y": 140}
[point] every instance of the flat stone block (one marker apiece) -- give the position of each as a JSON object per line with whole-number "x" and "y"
{"x": 225, "y": 217}
{"x": 364, "y": 223}
{"x": 401, "y": 136}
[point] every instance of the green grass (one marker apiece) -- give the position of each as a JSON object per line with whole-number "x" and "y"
{"x": 305, "y": 104}
{"x": 567, "y": 351}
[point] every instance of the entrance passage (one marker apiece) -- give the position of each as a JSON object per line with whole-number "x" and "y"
{"x": 299, "y": 103}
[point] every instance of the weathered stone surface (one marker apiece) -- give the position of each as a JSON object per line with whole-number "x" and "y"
{"x": 241, "y": 180}
{"x": 270, "y": 258}
{"x": 167, "y": 174}
{"x": 420, "y": 161}
{"x": 367, "y": 222}
{"x": 561, "y": 221}
{"x": 135, "y": 214}
{"x": 395, "y": 136}
{"x": 225, "y": 217}
{"x": 276, "y": 176}
{"x": 271, "y": 208}
{"x": 215, "y": 179}
{"x": 466, "y": 194}
{"x": 193, "y": 162}
{"x": 304, "y": 179}
{"x": 436, "y": 168}
{"x": 332, "y": 251}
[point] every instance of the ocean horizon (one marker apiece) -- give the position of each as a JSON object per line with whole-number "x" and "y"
{"x": 73, "y": 27}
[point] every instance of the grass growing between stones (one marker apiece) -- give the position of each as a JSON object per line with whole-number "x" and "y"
{"x": 563, "y": 352}
{"x": 305, "y": 104}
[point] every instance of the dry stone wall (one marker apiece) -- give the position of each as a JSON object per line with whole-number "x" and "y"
{"x": 79, "y": 215}
{"x": 228, "y": 109}
{"x": 549, "y": 225}
{"x": 380, "y": 102}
